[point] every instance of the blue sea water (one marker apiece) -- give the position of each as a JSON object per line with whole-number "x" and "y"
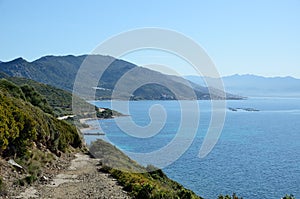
{"x": 256, "y": 156}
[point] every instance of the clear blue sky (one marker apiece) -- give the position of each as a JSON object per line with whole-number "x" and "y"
{"x": 259, "y": 37}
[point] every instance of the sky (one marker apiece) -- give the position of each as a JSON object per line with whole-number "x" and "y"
{"x": 241, "y": 37}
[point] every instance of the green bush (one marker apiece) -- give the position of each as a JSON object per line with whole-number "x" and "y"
{"x": 36, "y": 98}
{"x": 30, "y": 179}
{"x": 17, "y": 127}
{"x": 22, "y": 124}
{"x": 291, "y": 196}
{"x": 11, "y": 89}
{"x": 234, "y": 196}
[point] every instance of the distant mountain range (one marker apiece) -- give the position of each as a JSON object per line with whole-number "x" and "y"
{"x": 61, "y": 71}
{"x": 257, "y": 86}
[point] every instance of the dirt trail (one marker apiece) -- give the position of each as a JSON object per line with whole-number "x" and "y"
{"x": 81, "y": 180}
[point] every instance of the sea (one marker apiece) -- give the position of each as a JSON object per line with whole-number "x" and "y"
{"x": 257, "y": 154}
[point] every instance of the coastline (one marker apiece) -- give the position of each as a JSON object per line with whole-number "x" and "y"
{"x": 150, "y": 183}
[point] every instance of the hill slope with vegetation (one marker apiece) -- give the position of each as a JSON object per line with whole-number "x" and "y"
{"x": 26, "y": 119}
{"x": 29, "y": 133}
{"x": 59, "y": 100}
{"x": 53, "y": 100}
{"x": 139, "y": 181}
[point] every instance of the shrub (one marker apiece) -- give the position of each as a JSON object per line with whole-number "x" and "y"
{"x": 22, "y": 124}
{"x": 234, "y": 196}
{"x": 36, "y": 98}
{"x": 30, "y": 179}
{"x": 291, "y": 196}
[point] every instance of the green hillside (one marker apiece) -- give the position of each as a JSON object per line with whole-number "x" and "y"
{"x": 30, "y": 134}
{"x": 23, "y": 123}
{"x": 60, "y": 100}
{"x": 52, "y": 100}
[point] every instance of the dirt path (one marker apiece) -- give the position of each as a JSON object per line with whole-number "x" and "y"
{"x": 80, "y": 180}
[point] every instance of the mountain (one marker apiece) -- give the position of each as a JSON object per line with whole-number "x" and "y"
{"x": 257, "y": 86}
{"x": 61, "y": 71}
{"x": 58, "y": 71}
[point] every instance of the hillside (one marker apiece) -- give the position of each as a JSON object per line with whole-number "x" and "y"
{"x": 30, "y": 136}
{"x": 23, "y": 123}
{"x": 60, "y": 100}
{"x": 139, "y": 181}
{"x": 57, "y": 102}
{"x": 60, "y": 71}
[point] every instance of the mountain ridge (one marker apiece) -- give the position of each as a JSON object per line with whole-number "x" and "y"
{"x": 254, "y": 75}
{"x": 250, "y": 85}
{"x": 61, "y": 71}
